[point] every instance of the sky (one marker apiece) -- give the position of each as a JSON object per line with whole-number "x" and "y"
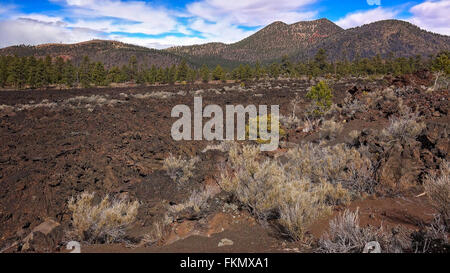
{"x": 161, "y": 24}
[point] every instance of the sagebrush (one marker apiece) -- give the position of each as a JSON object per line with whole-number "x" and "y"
{"x": 104, "y": 222}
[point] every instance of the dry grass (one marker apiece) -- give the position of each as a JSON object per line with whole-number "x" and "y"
{"x": 105, "y": 222}
{"x": 158, "y": 95}
{"x": 263, "y": 134}
{"x": 290, "y": 122}
{"x": 296, "y": 193}
{"x": 330, "y": 129}
{"x": 155, "y": 235}
{"x": 22, "y": 107}
{"x": 6, "y": 108}
{"x": 346, "y": 236}
{"x": 438, "y": 190}
{"x": 403, "y": 127}
{"x": 179, "y": 169}
{"x": 89, "y": 103}
{"x": 196, "y": 201}
{"x": 223, "y": 146}
{"x": 352, "y": 107}
{"x": 335, "y": 165}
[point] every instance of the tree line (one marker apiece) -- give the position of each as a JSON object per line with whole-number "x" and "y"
{"x": 32, "y": 72}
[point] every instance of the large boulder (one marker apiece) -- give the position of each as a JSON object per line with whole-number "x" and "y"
{"x": 43, "y": 238}
{"x": 400, "y": 167}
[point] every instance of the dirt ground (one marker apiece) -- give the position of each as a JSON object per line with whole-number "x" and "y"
{"x": 56, "y": 144}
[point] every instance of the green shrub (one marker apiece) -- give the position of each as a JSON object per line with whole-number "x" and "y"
{"x": 321, "y": 95}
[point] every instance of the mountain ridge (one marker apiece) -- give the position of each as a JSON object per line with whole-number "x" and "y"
{"x": 300, "y": 41}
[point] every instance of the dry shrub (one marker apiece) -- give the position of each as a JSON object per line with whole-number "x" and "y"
{"x": 105, "y": 222}
{"x": 196, "y": 201}
{"x": 158, "y": 95}
{"x": 223, "y": 146}
{"x": 374, "y": 99}
{"x": 179, "y": 169}
{"x": 330, "y": 129}
{"x": 432, "y": 239}
{"x": 403, "y": 127}
{"x": 89, "y": 103}
{"x": 290, "y": 122}
{"x": 346, "y": 236}
{"x": 354, "y": 134}
{"x": 155, "y": 235}
{"x": 263, "y": 135}
{"x": 353, "y": 106}
{"x": 350, "y": 107}
{"x": 302, "y": 211}
{"x": 6, "y": 108}
{"x": 438, "y": 190}
{"x": 22, "y": 107}
{"x": 299, "y": 191}
{"x": 335, "y": 165}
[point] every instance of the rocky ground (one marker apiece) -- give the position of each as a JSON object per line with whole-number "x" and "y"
{"x": 113, "y": 141}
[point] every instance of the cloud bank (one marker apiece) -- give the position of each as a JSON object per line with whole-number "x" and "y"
{"x": 201, "y": 21}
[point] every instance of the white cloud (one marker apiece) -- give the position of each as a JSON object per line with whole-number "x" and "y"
{"x": 215, "y": 20}
{"x": 211, "y": 32}
{"x": 33, "y": 32}
{"x": 6, "y": 8}
{"x": 141, "y": 17}
{"x": 432, "y": 15}
{"x": 365, "y": 17}
{"x": 39, "y": 17}
{"x": 252, "y": 12}
{"x": 374, "y": 2}
{"x": 220, "y": 31}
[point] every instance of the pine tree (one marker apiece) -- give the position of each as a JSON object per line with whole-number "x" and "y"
{"x": 182, "y": 71}
{"x": 69, "y": 74}
{"x": 141, "y": 77}
{"x": 259, "y": 71}
{"x": 85, "y": 72}
{"x": 161, "y": 75}
{"x": 321, "y": 60}
{"x": 124, "y": 74}
{"x": 49, "y": 71}
{"x": 192, "y": 75}
{"x": 16, "y": 72}
{"x": 59, "y": 70}
{"x": 132, "y": 68}
{"x": 99, "y": 74}
{"x": 286, "y": 66}
{"x": 440, "y": 66}
{"x": 32, "y": 79}
{"x": 274, "y": 70}
{"x": 153, "y": 73}
{"x": 204, "y": 72}
{"x": 217, "y": 74}
{"x": 114, "y": 75}
{"x": 41, "y": 77}
{"x": 3, "y": 71}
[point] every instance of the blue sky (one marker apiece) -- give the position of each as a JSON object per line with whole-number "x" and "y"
{"x": 160, "y": 24}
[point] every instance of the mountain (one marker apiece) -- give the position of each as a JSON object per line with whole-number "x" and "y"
{"x": 300, "y": 41}
{"x": 400, "y": 38}
{"x": 270, "y": 43}
{"x": 111, "y": 53}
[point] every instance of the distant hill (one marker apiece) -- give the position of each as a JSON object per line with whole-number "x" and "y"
{"x": 300, "y": 41}
{"x": 383, "y": 37}
{"x": 109, "y": 52}
{"x": 271, "y": 42}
